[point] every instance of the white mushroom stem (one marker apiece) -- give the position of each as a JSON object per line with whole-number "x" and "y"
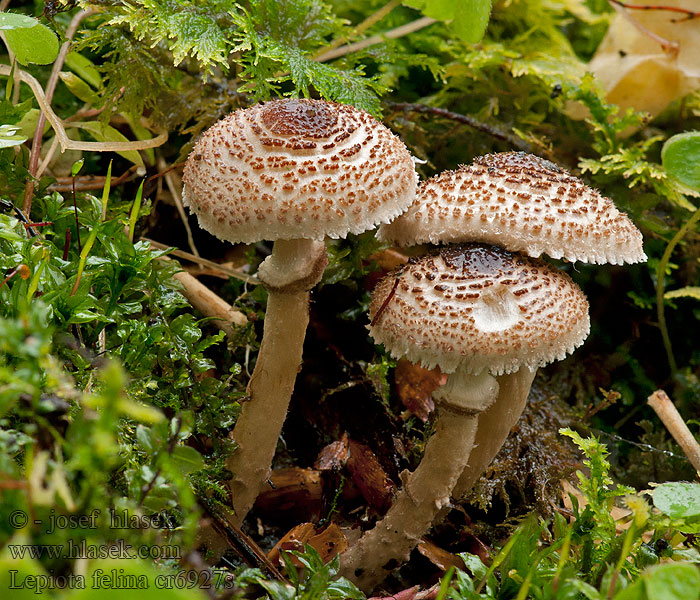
{"x": 495, "y": 424}
{"x": 427, "y": 490}
{"x": 292, "y": 269}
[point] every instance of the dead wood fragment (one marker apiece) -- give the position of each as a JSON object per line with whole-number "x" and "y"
{"x": 369, "y": 476}
{"x": 668, "y": 414}
{"x": 296, "y": 494}
{"x": 415, "y": 386}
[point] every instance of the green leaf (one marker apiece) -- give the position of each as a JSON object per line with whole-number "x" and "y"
{"x": 680, "y": 156}
{"x": 9, "y": 136}
{"x": 468, "y": 18}
{"x": 678, "y": 499}
{"x": 10, "y": 21}
{"x": 685, "y": 292}
{"x": 79, "y": 88}
{"x": 187, "y": 459}
{"x": 679, "y": 581}
{"x": 37, "y": 44}
{"x": 85, "y": 69}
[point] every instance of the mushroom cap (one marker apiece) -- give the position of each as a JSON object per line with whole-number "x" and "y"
{"x": 474, "y": 307}
{"x": 290, "y": 169}
{"x": 521, "y": 202}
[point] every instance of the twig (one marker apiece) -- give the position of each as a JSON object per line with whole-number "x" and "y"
{"x": 229, "y": 272}
{"x": 57, "y": 124}
{"x": 660, "y": 272}
{"x": 689, "y": 14}
{"x": 90, "y": 182}
{"x": 34, "y": 155}
{"x": 362, "y": 27}
{"x": 668, "y": 414}
{"x": 210, "y": 304}
{"x": 377, "y": 39}
{"x": 499, "y": 134}
{"x": 175, "y": 191}
{"x": 669, "y": 46}
{"x": 247, "y": 549}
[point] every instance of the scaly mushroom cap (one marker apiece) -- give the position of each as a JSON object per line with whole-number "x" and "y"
{"x": 521, "y": 202}
{"x": 477, "y": 307}
{"x": 290, "y": 169}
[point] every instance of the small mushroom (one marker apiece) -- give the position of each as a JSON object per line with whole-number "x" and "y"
{"x": 293, "y": 171}
{"x": 520, "y": 202}
{"x": 476, "y": 311}
{"x": 523, "y": 203}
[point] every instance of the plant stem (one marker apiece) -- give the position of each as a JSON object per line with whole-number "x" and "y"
{"x": 495, "y": 132}
{"x": 362, "y": 27}
{"x": 392, "y": 34}
{"x": 660, "y": 272}
{"x": 675, "y": 424}
{"x": 41, "y": 121}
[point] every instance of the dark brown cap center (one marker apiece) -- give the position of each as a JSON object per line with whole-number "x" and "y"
{"x": 304, "y": 118}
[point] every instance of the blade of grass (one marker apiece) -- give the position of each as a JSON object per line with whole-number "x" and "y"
{"x": 135, "y": 209}
{"x": 660, "y": 271}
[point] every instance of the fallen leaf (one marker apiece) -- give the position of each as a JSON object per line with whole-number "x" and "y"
{"x": 440, "y": 557}
{"x": 367, "y": 474}
{"x": 415, "y": 386}
{"x": 634, "y": 68}
{"x": 334, "y": 456}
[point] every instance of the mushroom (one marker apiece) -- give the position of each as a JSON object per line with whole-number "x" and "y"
{"x": 293, "y": 171}
{"x": 523, "y": 203}
{"x": 476, "y": 311}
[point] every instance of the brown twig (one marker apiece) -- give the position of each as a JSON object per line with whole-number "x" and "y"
{"x": 689, "y": 14}
{"x": 495, "y": 132}
{"x": 247, "y": 549}
{"x": 90, "y": 182}
{"x": 174, "y": 184}
{"x": 398, "y": 32}
{"x": 227, "y": 271}
{"x": 48, "y": 93}
{"x": 668, "y": 414}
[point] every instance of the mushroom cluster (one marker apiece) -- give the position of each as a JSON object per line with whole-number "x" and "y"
{"x": 293, "y": 171}
{"x": 487, "y": 316}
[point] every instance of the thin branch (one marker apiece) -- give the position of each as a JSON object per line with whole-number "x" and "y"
{"x": 175, "y": 188}
{"x": 362, "y": 27}
{"x": 229, "y": 272}
{"x": 376, "y": 39}
{"x": 90, "y": 182}
{"x": 668, "y": 414}
{"x": 689, "y": 14}
{"x": 495, "y": 132}
{"x": 57, "y": 124}
{"x": 34, "y": 155}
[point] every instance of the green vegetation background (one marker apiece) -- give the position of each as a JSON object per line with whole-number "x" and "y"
{"x": 116, "y": 394}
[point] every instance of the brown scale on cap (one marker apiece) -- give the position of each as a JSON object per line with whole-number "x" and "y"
{"x": 290, "y": 169}
{"x": 521, "y": 202}
{"x": 478, "y": 307}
